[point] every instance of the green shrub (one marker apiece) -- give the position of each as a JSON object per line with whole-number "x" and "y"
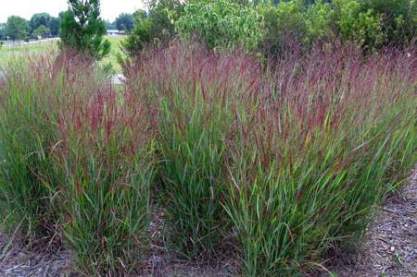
{"x": 318, "y": 20}
{"x": 139, "y": 37}
{"x": 275, "y": 27}
{"x": 221, "y": 23}
{"x": 292, "y": 24}
{"x": 154, "y": 28}
{"x": 398, "y": 19}
{"x": 284, "y": 25}
{"x": 358, "y": 25}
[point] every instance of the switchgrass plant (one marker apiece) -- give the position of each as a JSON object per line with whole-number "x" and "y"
{"x": 301, "y": 154}
{"x": 284, "y": 163}
{"x": 106, "y": 154}
{"x": 332, "y": 137}
{"x": 29, "y": 184}
{"x": 76, "y": 162}
{"x": 193, "y": 93}
{"x": 192, "y": 153}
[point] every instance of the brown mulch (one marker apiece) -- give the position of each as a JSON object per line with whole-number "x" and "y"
{"x": 17, "y": 261}
{"x": 389, "y": 249}
{"x": 390, "y": 244}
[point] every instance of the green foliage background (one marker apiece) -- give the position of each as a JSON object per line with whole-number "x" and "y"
{"x": 270, "y": 27}
{"x": 82, "y": 29}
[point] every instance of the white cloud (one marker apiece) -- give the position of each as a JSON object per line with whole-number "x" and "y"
{"x": 110, "y": 9}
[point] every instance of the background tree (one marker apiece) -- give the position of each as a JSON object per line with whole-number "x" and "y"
{"x": 154, "y": 27}
{"x": 39, "y": 19}
{"x": 221, "y": 23}
{"x": 54, "y": 26}
{"x": 398, "y": 19}
{"x": 124, "y": 22}
{"x": 2, "y": 31}
{"x": 109, "y": 25}
{"x": 16, "y": 28}
{"x": 42, "y": 32}
{"x": 82, "y": 29}
{"x": 139, "y": 15}
{"x": 141, "y": 34}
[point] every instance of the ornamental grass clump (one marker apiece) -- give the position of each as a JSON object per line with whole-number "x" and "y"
{"x": 77, "y": 162}
{"x": 29, "y": 182}
{"x": 106, "y": 155}
{"x": 283, "y": 163}
{"x": 193, "y": 93}
{"x": 334, "y": 133}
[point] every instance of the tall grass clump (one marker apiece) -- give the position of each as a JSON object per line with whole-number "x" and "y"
{"x": 289, "y": 161}
{"x": 284, "y": 163}
{"x": 29, "y": 185}
{"x": 106, "y": 155}
{"x": 77, "y": 162}
{"x": 193, "y": 93}
{"x": 334, "y": 133}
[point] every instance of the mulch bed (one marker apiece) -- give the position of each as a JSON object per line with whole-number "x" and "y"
{"x": 389, "y": 249}
{"x": 390, "y": 244}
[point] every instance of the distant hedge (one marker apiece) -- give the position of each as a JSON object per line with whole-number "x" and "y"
{"x": 270, "y": 27}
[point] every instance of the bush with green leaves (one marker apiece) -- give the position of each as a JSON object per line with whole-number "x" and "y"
{"x": 398, "y": 19}
{"x": 358, "y": 25}
{"x": 266, "y": 27}
{"x": 292, "y": 23}
{"x": 284, "y": 24}
{"x": 221, "y": 23}
{"x": 273, "y": 27}
{"x": 140, "y": 36}
{"x": 155, "y": 27}
{"x": 318, "y": 20}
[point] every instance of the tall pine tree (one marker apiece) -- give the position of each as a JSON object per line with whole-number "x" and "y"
{"x": 82, "y": 29}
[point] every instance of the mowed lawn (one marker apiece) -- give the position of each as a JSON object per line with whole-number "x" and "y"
{"x": 8, "y": 53}
{"x": 116, "y": 50}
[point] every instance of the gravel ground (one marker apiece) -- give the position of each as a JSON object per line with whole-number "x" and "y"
{"x": 16, "y": 261}
{"x": 389, "y": 249}
{"x": 390, "y": 245}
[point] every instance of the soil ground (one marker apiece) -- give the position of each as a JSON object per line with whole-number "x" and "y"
{"x": 389, "y": 248}
{"x": 390, "y": 244}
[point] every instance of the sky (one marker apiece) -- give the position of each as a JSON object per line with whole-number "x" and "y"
{"x": 110, "y": 9}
